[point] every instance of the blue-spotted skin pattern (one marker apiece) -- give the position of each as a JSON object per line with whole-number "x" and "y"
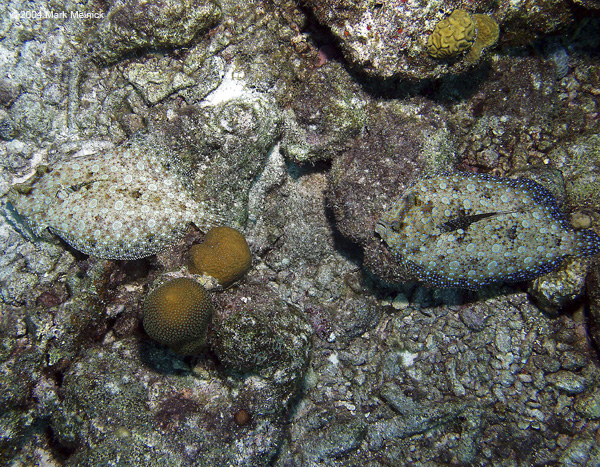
{"x": 523, "y": 236}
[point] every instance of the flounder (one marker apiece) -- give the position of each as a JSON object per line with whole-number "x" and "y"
{"x": 122, "y": 203}
{"x": 469, "y": 230}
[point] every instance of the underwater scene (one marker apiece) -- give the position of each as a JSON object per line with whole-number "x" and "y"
{"x": 297, "y": 233}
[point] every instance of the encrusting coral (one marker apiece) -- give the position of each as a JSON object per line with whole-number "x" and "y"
{"x": 224, "y": 255}
{"x": 461, "y": 32}
{"x": 177, "y": 314}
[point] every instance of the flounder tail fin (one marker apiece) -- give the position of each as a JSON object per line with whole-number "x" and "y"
{"x": 209, "y": 217}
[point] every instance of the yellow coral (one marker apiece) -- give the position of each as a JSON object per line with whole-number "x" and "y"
{"x": 177, "y": 314}
{"x": 460, "y": 32}
{"x": 452, "y": 35}
{"x": 224, "y": 255}
{"x": 488, "y": 33}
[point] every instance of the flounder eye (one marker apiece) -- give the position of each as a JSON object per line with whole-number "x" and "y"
{"x": 411, "y": 200}
{"x": 396, "y": 226}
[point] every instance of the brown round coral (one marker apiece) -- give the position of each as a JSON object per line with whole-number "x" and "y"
{"x": 241, "y": 417}
{"x": 224, "y": 255}
{"x": 177, "y": 314}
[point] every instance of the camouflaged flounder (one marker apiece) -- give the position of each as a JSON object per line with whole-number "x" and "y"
{"x": 469, "y": 230}
{"x": 119, "y": 204}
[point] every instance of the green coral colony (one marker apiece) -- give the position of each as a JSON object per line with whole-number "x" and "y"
{"x": 469, "y": 230}
{"x": 119, "y": 204}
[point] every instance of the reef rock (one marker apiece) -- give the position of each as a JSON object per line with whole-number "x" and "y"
{"x": 390, "y": 39}
{"x": 131, "y": 26}
{"x": 398, "y": 148}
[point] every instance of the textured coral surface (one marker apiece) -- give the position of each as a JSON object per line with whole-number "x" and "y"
{"x": 223, "y": 254}
{"x": 177, "y": 314}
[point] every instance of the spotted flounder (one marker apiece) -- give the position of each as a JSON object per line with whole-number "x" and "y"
{"x": 120, "y": 204}
{"x": 469, "y": 230}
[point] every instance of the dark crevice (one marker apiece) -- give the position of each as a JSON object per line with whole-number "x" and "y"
{"x": 346, "y": 247}
{"x": 297, "y": 171}
{"x": 61, "y": 451}
{"x": 321, "y": 36}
